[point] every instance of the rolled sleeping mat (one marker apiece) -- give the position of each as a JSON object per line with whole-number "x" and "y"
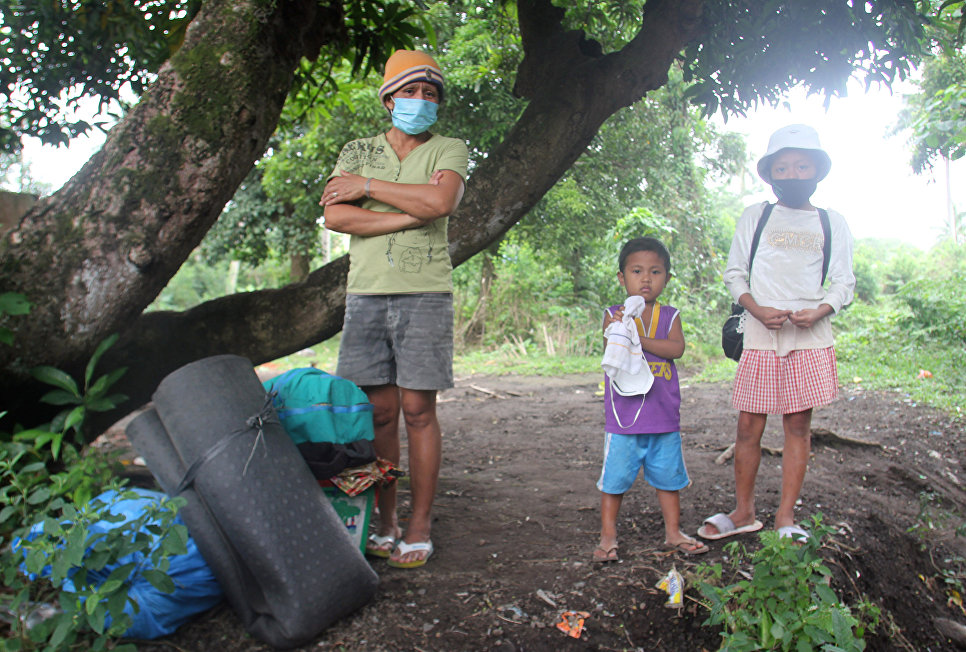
{"x": 151, "y": 440}
{"x": 281, "y": 553}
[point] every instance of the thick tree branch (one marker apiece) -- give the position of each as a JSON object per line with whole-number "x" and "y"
{"x": 91, "y": 257}
{"x": 548, "y": 49}
{"x": 555, "y": 129}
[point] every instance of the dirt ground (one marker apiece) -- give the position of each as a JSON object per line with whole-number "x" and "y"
{"x": 517, "y": 518}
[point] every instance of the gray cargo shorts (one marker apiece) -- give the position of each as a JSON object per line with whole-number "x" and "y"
{"x": 398, "y": 339}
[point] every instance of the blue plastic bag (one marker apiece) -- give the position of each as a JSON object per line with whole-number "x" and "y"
{"x": 159, "y": 614}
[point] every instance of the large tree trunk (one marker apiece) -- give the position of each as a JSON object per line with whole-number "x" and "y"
{"x": 147, "y": 233}
{"x": 92, "y": 256}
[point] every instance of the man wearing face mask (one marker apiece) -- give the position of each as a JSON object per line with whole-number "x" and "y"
{"x": 393, "y": 193}
{"x": 788, "y": 365}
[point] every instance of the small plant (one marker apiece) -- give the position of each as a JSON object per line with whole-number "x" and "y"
{"x": 28, "y": 487}
{"x": 57, "y": 558}
{"x": 13, "y": 304}
{"x": 95, "y": 397}
{"x": 931, "y": 518}
{"x": 934, "y": 519}
{"x": 89, "y": 566}
{"x": 786, "y": 602}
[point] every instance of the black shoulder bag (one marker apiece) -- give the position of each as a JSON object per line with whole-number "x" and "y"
{"x": 732, "y": 342}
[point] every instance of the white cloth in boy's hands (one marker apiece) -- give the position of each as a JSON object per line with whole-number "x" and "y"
{"x": 623, "y": 360}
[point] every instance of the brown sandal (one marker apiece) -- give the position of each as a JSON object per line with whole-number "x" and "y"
{"x": 603, "y": 555}
{"x": 687, "y": 547}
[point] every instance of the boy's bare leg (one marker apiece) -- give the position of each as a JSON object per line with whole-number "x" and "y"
{"x": 798, "y": 447}
{"x": 670, "y": 502}
{"x": 425, "y": 452}
{"x": 385, "y": 421}
{"x": 610, "y": 505}
{"x": 751, "y": 427}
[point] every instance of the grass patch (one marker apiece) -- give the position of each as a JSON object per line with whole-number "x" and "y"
{"x": 324, "y": 356}
{"x": 507, "y": 360}
{"x": 874, "y": 351}
{"x": 877, "y": 350}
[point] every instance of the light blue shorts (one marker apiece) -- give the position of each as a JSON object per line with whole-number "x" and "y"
{"x": 658, "y": 454}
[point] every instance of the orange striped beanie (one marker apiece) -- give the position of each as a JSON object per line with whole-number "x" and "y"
{"x": 408, "y": 66}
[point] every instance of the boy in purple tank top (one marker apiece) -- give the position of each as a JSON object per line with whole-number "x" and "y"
{"x": 644, "y": 431}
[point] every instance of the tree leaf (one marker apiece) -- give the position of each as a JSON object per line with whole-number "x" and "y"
{"x": 56, "y": 377}
{"x": 161, "y": 581}
{"x": 101, "y": 348}
{"x": 12, "y": 303}
{"x": 60, "y": 397}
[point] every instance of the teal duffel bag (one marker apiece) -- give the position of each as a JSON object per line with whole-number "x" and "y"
{"x": 315, "y": 406}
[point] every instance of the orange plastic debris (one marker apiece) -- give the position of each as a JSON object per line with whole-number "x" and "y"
{"x": 924, "y": 373}
{"x": 572, "y": 623}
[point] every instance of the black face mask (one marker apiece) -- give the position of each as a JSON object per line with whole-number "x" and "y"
{"x": 794, "y": 193}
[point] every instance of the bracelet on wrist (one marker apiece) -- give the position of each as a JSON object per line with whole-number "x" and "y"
{"x": 368, "y": 184}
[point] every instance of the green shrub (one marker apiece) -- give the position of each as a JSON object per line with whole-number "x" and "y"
{"x": 787, "y": 604}
{"x": 94, "y": 397}
{"x": 73, "y": 551}
{"x": 885, "y": 346}
{"x": 47, "y": 478}
{"x": 938, "y": 309}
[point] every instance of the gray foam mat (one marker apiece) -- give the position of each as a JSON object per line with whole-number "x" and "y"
{"x": 280, "y": 552}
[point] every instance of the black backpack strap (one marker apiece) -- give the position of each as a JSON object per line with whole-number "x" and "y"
{"x": 827, "y": 244}
{"x": 765, "y": 213}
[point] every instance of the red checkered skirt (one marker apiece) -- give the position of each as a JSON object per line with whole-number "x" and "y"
{"x": 766, "y": 383}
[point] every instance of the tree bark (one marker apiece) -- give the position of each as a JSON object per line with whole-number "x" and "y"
{"x": 123, "y": 240}
{"x": 92, "y": 256}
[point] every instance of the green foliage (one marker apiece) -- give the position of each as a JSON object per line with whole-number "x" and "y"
{"x": 788, "y": 603}
{"x": 56, "y": 51}
{"x": 13, "y": 304}
{"x": 30, "y": 487}
{"x": 94, "y": 396}
{"x": 612, "y": 23}
{"x": 276, "y": 213}
{"x": 649, "y": 171}
{"x": 933, "y": 518}
{"x": 59, "y": 53}
{"x": 936, "y": 518}
{"x": 867, "y": 282}
{"x": 753, "y": 50}
{"x": 246, "y": 231}
{"x": 208, "y": 275}
{"x": 197, "y": 281}
{"x": 532, "y": 304}
{"x": 17, "y": 176}
{"x": 89, "y": 608}
{"x": 48, "y": 481}
{"x": 937, "y": 302}
{"x": 479, "y": 50}
{"x": 375, "y": 29}
{"x": 904, "y": 265}
{"x": 936, "y": 115}
{"x": 876, "y": 351}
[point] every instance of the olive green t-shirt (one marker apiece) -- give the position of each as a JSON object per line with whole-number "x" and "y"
{"x": 412, "y": 260}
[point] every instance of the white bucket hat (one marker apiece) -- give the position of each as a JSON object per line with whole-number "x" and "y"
{"x": 797, "y": 137}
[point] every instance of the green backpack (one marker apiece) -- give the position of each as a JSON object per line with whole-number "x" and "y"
{"x": 314, "y": 406}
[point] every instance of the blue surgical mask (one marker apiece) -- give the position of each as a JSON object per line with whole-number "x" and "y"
{"x": 413, "y": 116}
